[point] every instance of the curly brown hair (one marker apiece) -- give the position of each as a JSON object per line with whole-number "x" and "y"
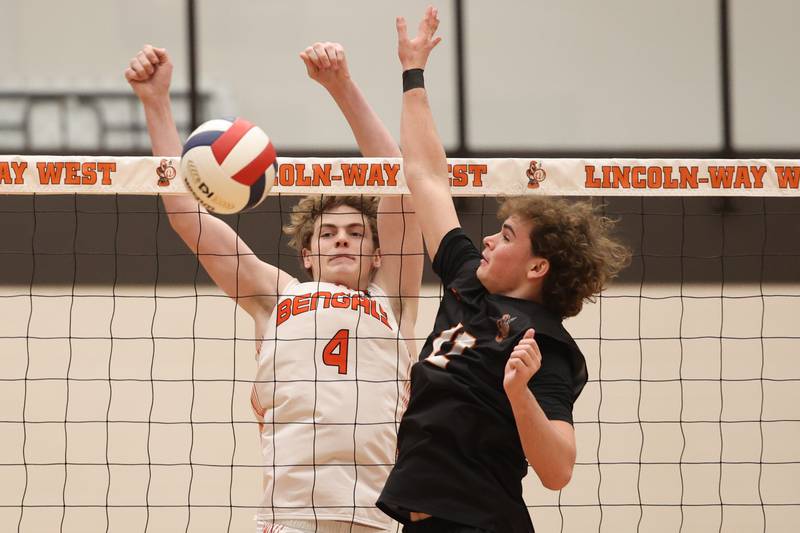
{"x": 576, "y": 240}
{"x": 305, "y": 213}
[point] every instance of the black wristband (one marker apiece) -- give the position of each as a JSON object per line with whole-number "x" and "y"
{"x": 413, "y": 79}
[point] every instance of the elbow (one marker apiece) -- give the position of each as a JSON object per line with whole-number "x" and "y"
{"x": 420, "y": 179}
{"x": 178, "y": 222}
{"x": 182, "y": 212}
{"x": 412, "y": 173}
{"x": 186, "y": 227}
{"x": 182, "y": 220}
{"x": 557, "y": 479}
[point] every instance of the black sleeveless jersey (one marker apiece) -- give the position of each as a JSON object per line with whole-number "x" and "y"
{"x": 459, "y": 453}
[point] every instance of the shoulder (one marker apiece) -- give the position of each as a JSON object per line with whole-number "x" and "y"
{"x": 559, "y": 350}
{"x": 455, "y": 241}
{"x": 456, "y": 254}
{"x": 376, "y": 291}
{"x": 562, "y": 360}
{"x": 293, "y": 285}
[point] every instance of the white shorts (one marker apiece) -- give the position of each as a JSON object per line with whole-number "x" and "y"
{"x": 310, "y": 526}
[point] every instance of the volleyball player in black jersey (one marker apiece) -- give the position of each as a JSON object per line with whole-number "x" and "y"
{"x": 498, "y": 376}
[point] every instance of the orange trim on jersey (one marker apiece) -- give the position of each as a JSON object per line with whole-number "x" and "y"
{"x": 302, "y": 303}
{"x": 257, "y": 408}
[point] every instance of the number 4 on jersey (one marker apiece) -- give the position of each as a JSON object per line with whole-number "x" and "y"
{"x": 335, "y": 352}
{"x": 461, "y": 341}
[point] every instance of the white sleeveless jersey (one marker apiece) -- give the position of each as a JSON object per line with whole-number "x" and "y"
{"x": 331, "y": 387}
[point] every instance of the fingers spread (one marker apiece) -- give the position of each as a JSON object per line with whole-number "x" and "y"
{"x": 402, "y": 29}
{"x": 435, "y": 21}
{"x": 429, "y": 23}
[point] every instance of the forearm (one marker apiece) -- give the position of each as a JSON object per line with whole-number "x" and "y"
{"x": 425, "y": 170}
{"x": 372, "y": 136}
{"x": 424, "y": 157}
{"x": 165, "y": 141}
{"x": 164, "y": 138}
{"x": 549, "y": 446}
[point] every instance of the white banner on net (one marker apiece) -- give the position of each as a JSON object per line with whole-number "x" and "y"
{"x": 468, "y": 177}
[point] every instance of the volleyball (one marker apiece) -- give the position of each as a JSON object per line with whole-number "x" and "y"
{"x": 229, "y": 166}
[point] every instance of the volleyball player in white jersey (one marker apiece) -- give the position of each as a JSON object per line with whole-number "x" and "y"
{"x": 334, "y": 357}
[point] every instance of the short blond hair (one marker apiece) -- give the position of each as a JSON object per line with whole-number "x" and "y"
{"x": 305, "y": 213}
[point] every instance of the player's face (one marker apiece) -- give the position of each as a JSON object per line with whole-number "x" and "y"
{"x": 507, "y": 259}
{"x": 341, "y": 249}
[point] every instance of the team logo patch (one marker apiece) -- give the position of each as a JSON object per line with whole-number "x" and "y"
{"x": 536, "y": 174}
{"x": 455, "y": 293}
{"x": 503, "y": 326}
{"x": 165, "y": 172}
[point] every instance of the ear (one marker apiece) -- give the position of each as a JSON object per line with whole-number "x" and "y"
{"x": 306, "y": 255}
{"x": 538, "y": 269}
{"x": 376, "y": 258}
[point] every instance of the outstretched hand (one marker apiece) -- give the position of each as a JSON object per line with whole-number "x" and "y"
{"x": 524, "y": 362}
{"x": 326, "y": 64}
{"x": 149, "y": 73}
{"x": 414, "y": 52}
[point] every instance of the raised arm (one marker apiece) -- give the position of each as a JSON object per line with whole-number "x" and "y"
{"x": 326, "y": 64}
{"x": 400, "y": 273}
{"x": 226, "y": 258}
{"x": 424, "y": 159}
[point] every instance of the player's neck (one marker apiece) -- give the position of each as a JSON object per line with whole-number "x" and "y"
{"x": 525, "y": 291}
{"x": 352, "y": 284}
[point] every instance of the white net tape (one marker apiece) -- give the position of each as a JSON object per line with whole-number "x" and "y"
{"x": 469, "y": 177}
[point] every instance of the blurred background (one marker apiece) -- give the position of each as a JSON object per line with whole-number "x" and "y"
{"x": 702, "y": 77}
{"x": 125, "y": 375}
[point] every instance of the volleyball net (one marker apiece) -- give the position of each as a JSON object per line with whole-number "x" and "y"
{"x": 125, "y": 375}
